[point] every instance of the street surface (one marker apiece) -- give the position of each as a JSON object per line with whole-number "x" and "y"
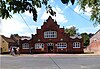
{"x": 50, "y": 61}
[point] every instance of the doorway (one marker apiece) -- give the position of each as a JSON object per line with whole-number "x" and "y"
{"x": 50, "y": 47}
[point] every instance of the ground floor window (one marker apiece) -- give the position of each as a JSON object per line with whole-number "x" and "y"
{"x": 25, "y": 45}
{"x": 39, "y": 45}
{"x": 76, "y": 45}
{"x": 61, "y": 45}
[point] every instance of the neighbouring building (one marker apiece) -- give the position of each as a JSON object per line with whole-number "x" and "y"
{"x": 52, "y": 39}
{"x": 6, "y": 43}
{"x": 95, "y": 43}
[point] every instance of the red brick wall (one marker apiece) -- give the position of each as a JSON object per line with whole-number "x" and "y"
{"x": 95, "y": 46}
{"x": 50, "y": 25}
{"x": 94, "y": 43}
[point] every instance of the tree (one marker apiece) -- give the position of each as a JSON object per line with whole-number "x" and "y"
{"x": 20, "y": 6}
{"x": 71, "y": 31}
{"x": 95, "y": 6}
{"x": 86, "y": 39}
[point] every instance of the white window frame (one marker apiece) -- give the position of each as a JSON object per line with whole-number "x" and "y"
{"x": 25, "y": 45}
{"x": 50, "y": 34}
{"x": 61, "y": 45}
{"x": 50, "y": 44}
{"x": 76, "y": 45}
{"x": 39, "y": 45}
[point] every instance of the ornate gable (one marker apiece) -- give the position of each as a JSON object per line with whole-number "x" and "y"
{"x": 50, "y": 24}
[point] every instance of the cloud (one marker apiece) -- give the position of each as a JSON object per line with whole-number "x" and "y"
{"x": 58, "y": 10}
{"x": 89, "y": 29}
{"x": 60, "y": 18}
{"x": 70, "y": 26}
{"x": 11, "y": 26}
{"x": 28, "y": 14}
{"x": 52, "y": 1}
{"x": 87, "y": 10}
{"x": 98, "y": 27}
{"x": 86, "y": 29}
{"x": 15, "y": 25}
{"x": 77, "y": 9}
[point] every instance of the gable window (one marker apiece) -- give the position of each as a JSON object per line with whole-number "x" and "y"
{"x": 39, "y": 45}
{"x": 25, "y": 45}
{"x": 61, "y": 45}
{"x": 76, "y": 45}
{"x": 50, "y": 34}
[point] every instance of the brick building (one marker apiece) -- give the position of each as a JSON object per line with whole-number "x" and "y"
{"x": 52, "y": 39}
{"x": 25, "y": 44}
{"x": 95, "y": 43}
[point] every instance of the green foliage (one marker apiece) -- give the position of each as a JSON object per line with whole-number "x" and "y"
{"x": 95, "y": 6}
{"x": 71, "y": 31}
{"x": 85, "y": 38}
{"x": 20, "y": 6}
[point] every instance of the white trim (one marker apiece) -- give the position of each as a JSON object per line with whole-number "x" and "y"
{"x": 50, "y": 34}
{"x": 50, "y": 44}
{"x": 76, "y": 45}
{"x": 25, "y": 46}
{"x": 61, "y": 45}
{"x": 76, "y": 36}
{"x": 39, "y": 45}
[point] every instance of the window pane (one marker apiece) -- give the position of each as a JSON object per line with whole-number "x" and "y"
{"x": 50, "y": 34}
{"x": 76, "y": 45}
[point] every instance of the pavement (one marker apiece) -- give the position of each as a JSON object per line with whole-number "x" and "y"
{"x": 55, "y": 55}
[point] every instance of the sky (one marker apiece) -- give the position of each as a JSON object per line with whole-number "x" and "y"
{"x": 66, "y": 15}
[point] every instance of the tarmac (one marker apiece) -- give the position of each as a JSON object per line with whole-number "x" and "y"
{"x": 50, "y": 61}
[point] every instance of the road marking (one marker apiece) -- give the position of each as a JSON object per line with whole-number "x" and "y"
{"x": 54, "y": 62}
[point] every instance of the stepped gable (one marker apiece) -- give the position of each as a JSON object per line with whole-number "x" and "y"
{"x": 52, "y": 39}
{"x": 50, "y": 23}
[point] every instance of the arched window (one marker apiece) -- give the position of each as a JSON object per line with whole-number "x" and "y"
{"x": 76, "y": 45}
{"x": 50, "y": 34}
{"x": 61, "y": 45}
{"x": 39, "y": 45}
{"x": 25, "y": 45}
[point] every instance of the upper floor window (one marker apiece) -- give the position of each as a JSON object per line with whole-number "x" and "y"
{"x": 50, "y": 34}
{"x": 25, "y": 45}
{"x": 39, "y": 45}
{"x": 76, "y": 45}
{"x": 61, "y": 45}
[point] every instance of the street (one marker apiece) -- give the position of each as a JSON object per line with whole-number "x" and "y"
{"x": 50, "y": 61}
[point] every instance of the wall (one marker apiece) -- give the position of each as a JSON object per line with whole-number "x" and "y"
{"x": 4, "y": 45}
{"x": 94, "y": 43}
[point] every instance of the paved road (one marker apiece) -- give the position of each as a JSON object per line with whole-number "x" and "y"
{"x": 50, "y": 61}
